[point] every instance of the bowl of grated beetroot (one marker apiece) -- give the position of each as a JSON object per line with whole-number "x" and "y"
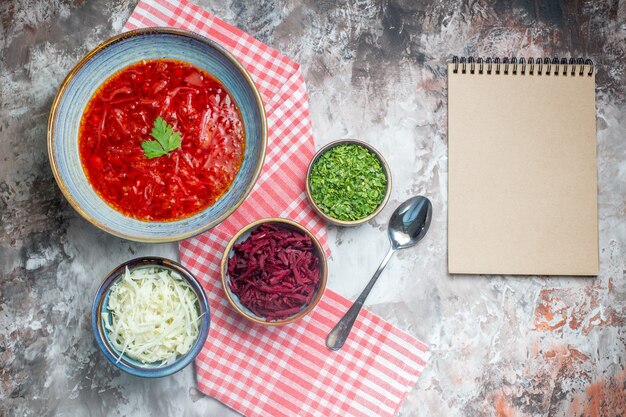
{"x": 274, "y": 271}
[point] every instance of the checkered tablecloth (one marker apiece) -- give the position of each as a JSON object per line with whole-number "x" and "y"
{"x": 284, "y": 371}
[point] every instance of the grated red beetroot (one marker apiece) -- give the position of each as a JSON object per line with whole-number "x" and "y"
{"x": 274, "y": 272}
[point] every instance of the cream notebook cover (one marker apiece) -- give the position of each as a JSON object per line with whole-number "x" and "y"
{"x": 522, "y": 188}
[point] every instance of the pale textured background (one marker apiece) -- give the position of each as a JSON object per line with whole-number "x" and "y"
{"x": 502, "y": 346}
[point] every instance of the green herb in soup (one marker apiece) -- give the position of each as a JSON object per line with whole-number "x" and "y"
{"x": 348, "y": 182}
{"x": 167, "y": 140}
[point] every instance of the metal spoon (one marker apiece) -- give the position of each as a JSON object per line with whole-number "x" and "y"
{"x": 407, "y": 226}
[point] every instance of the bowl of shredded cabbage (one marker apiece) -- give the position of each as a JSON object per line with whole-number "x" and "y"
{"x": 150, "y": 317}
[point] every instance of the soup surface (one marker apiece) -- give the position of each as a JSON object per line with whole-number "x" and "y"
{"x": 177, "y": 181}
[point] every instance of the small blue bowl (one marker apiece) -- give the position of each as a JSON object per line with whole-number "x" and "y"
{"x": 98, "y": 66}
{"x": 125, "y": 363}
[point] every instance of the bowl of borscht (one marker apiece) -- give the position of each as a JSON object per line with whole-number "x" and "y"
{"x": 157, "y": 135}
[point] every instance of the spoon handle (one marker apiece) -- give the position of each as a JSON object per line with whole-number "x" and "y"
{"x": 338, "y": 335}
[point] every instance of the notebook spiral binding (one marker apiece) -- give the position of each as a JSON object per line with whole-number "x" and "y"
{"x": 539, "y": 66}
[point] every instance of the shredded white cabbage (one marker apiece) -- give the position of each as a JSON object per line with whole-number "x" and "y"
{"x": 154, "y": 315}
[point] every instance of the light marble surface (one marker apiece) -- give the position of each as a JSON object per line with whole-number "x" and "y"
{"x": 502, "y": 346}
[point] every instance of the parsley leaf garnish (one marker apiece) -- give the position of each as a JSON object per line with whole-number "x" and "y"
{"x": 166, "y": 140}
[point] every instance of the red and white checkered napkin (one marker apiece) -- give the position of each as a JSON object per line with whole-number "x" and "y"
{"x": 284, "y": 371}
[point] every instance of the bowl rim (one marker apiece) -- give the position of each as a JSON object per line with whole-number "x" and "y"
{"x": 98, "y": 304}
{"x": 326, "y": 148}
{"x": 323, "y": 269}
{"x": 60, "y": 93}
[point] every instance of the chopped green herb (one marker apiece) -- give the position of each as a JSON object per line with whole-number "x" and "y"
{"x": 166, "y": 140}
{"x": 348, "y": 182}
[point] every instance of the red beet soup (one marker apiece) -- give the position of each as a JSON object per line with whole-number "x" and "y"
{"x": 181, "y": 181}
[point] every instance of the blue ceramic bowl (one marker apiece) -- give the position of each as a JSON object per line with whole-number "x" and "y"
{"x": 106, "y": 60}
{"x": 242, "y": 235}
{"x": 125, "y": 363}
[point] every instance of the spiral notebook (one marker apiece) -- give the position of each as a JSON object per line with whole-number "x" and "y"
{"x": 522, "y": 187}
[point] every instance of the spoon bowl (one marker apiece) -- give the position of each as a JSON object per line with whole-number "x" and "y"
{"x": 410, "y": 222}
{"x": 407, "y": 226}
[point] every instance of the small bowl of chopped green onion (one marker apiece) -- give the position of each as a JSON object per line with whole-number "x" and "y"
{"x": 150, "y": 317}
{"x": 348, "y": 182}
